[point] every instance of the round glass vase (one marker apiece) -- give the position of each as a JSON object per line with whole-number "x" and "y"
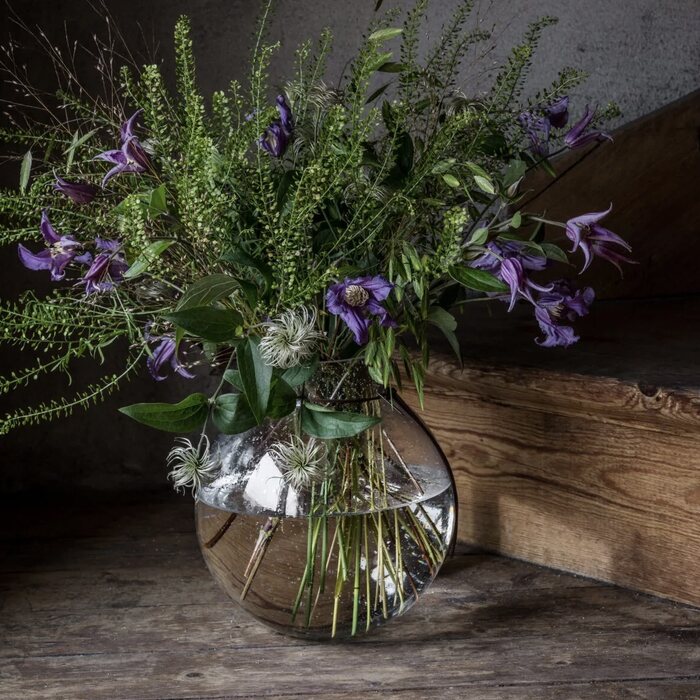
{"x": 350, "y": 550}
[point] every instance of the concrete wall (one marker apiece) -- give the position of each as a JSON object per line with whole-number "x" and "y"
{"x": 640, "y": 53}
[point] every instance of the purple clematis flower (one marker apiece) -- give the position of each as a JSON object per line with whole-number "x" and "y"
{"x": 355, "y": 300}
{"x": 107, "y": 269}
{"x": 285, "y": 111}
{"x": 61, "y": 251}
{"x": 557, "y": 113}
{"x": 509, "y": 261}
{"x": 578, "y": 136}
{"x": 131, "y": 156}
{"x": 537, "y": 130}
{"x": 79, "y": 192}
{"x": 562, "y": 303}
{"x": 274, "y": 141}
{"x": 594, "y": 240}
{"x": 276, "y": 137}
{"x": 164, "y": 353}
{"x": 498, "y": 251}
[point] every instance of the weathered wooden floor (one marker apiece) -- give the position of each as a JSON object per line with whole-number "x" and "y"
{"x": 110, "y": 599}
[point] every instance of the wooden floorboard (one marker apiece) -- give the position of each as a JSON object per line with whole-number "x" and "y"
{"x": 110, "y": 599}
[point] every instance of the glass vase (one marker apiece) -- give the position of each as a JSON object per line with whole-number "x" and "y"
{"x": 350, "y": 550}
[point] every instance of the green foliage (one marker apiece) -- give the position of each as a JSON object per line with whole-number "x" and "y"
{"x": 394, "y": 171}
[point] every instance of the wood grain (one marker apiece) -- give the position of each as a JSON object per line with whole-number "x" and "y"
{"x": 586, "y": 460}
{"x": 136, "y": 615}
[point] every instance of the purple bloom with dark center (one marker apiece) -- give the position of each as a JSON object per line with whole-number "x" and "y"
{"x": 79, "y": 192}
{"x": 594, "y": 240}
{"x": 131, "y": 156}
{"x": 579, "y": 135}
{"x": 509, "y": 261}
{"x": 276, "y": 137}
{"x": 356, "y": 300}
{"x": 557, "y": 113}
{"x": 107, "y": 269}
{"x": 165, "y": 353}
{"x": 563, "y": 303}
{"x": 61, "y": 251}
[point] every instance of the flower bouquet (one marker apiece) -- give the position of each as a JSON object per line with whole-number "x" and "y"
{"x": 290, "y": 251}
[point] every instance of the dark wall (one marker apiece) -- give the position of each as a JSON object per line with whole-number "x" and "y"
{"x": 640, "y": 53}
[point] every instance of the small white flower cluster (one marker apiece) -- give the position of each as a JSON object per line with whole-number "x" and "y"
{"x": 302, "y": 462}
{"x": 190, "y": 466}
{"x": 290, "y": 338}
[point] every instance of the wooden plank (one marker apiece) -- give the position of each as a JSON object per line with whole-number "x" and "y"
{"x": 441, "y": 616}
{"x": 157, "y": 627}
{"x": 251, "y": 672}
{"x": 649, "y": 174}
{"x": 587, "y": 460}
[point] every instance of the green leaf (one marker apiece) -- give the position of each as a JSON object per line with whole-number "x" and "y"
{"x": 484, "y": 184}
{"x": 325, "y": 423}
{"x": 451, "y": 180}
{"x": 447, "y": 323}
{"x": 379, "y": 60}
{"x": 250, "y": 292}
{"x": 183, "y": 417}
{"x": 479, "y": 236}
{"x": 283, "y": 189}
{"x": 232, "y": 415}
{"x": 442, "y": 166}
{"x": 256, "y": 377}
{"x": 377, "y": 93}
{"x": 554, "y": 252}
{"x": 238, "y": 256}
{"x": 233, "y": 377}
{"x": 515, "y": 171}
{"x": 477, "y": 170}
{"x": 479, "y": 280}
{"x": 296, "y": 376}
{"x": 516, "y": 220}
{"x": 25, "y": 171}
{"x": 391, "y": 67}
{"x": 547, "y": 167}
{"x": 217, "y": 325}
{"x": 151, "y": 253}
{"x": 75, "y": 144}
{"x": 208, "y": 290}
{"x": 283, "y": 399}
{"x": 385, "y": 34}
{"x": 156, "y": 202}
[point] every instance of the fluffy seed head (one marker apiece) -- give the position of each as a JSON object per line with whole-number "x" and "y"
{"x": 190, "y": 466}
{"x": 290, "y": 338}
{"x": 302, "y": 462}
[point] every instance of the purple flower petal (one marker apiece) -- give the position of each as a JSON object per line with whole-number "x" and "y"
{"x": 558, "y": 112}
{"x": 127, "y": 129}
{"x": 285, "y": 111}
{"x": 165, "y": 354}
{"x": 47, "y": 230}
{"x": 79, "y": 192}
{"x": 578, "y": 136}
{"x": 35, "y": 261}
